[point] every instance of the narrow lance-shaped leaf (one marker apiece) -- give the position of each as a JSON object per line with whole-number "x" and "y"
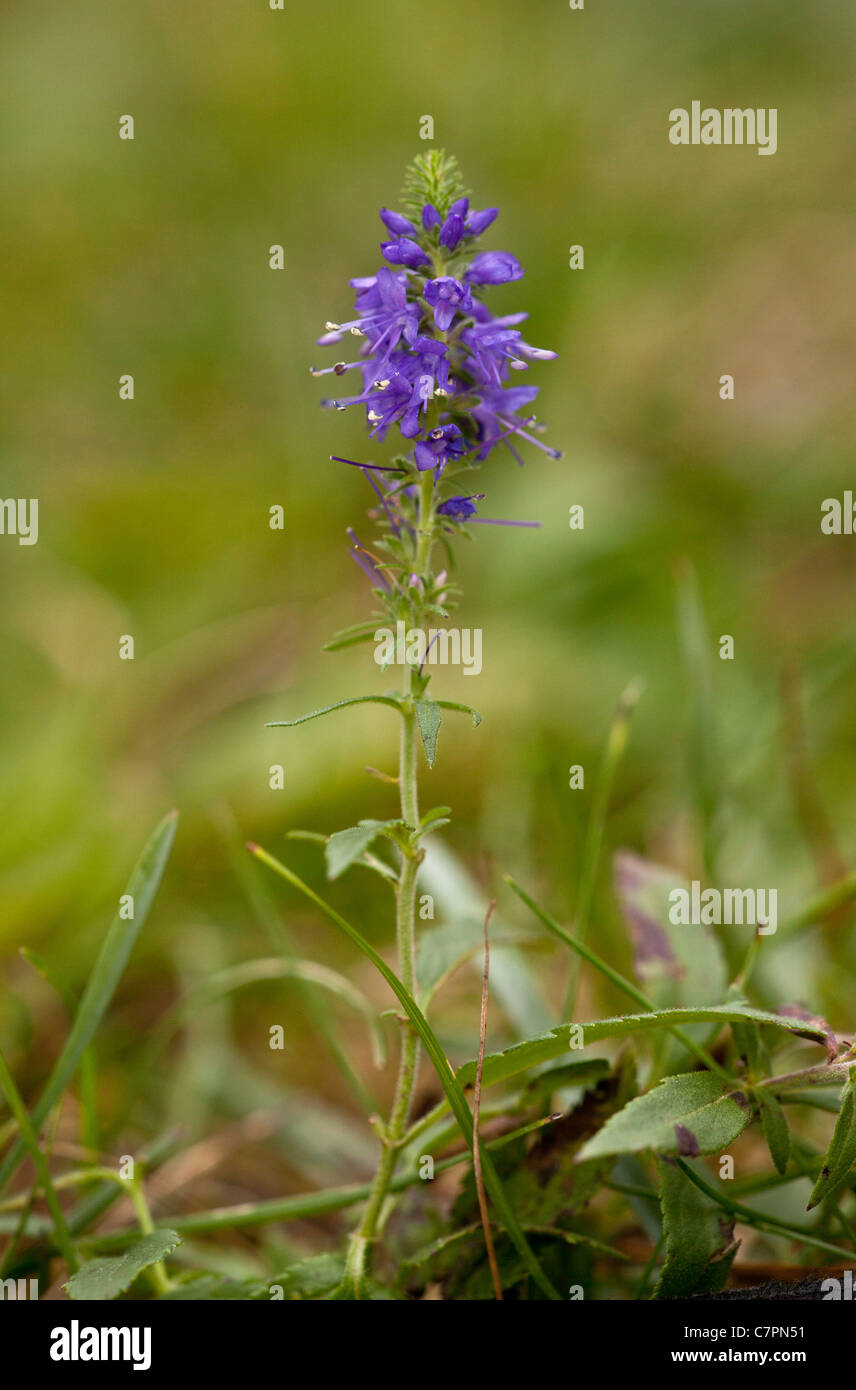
{"x": 498, "y": 1066}
{"x": 109, "y": 967}
{"x": 462, "y": 709}
{"x": 429, "y": 717}
{"x": 775, "y": 1128}
{"x": 345, "y": 847}
{"x": 841, "y": 1155}
{"x": 328, "y": 709}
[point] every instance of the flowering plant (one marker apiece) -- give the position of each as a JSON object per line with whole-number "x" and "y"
{"x": 633, "y": 1127}
{"x": 435, "y": 363}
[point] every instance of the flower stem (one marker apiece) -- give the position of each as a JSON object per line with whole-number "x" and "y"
{"x": 359, "y": 1250}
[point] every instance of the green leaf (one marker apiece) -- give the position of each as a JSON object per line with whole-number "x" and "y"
{"x": 429, "y": 717}
{"x": 429, "y": 829}
{"x": 328, "y": 709}
{"x": 346, "y": 846}
{"x": 775, "y": 1128}
{"x": 349, "y": 636}
{"x": 841, "y": 1155}
{"x": 498, "y": 1066}
{"x": 686, "y": 1114}
{"x": 462, "y": 709}
{"x": 107, "y": 1277}
{"x": 313, "y": 1277}
{"x": 700, "y": 1244}
{"x": 445, "y": 1075}
{"x": 112, "y": 959}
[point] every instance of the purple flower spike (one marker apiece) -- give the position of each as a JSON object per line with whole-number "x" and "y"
{"x": 405, "y": 251}
{"x": 395, "y": 223}
{"x": 446, "y": 296}
{"x": 494, "y": 268}
{"x": 435, "y": 363}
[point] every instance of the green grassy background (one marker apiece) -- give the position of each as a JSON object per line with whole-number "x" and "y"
{"x": 256, "y": 127}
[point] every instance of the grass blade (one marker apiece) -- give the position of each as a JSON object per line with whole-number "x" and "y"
{"x": 111, "y": 962}
{"x": 695, "y": 642}
{"x": 615, "y": 745}
{"x": 88, "y": 1078}
{"x": 30, "y": 1141}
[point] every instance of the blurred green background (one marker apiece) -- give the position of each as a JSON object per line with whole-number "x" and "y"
{"x": 150, "y": 257}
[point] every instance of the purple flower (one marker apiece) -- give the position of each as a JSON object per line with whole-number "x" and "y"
{"x": 395, "y": 223}
{"x": 496, "y": 417}
{"x": 477, "y": 222}
{"x": 386, "y": 314}
{"x": 431, "y": 217}
{"x": 460, "y": 508}
{"x": 447, "y": 295}
{"x": 444, "y": 443}
{"x": 405, "y": 251}
{"x": 495, "y": 346}
{"x": 402, "y": 396}
{"x": 453, "y": 230}
{"x": 494, "y": 268}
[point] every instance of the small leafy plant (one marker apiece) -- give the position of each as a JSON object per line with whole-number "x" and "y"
{"x": 586, "y": 1176}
